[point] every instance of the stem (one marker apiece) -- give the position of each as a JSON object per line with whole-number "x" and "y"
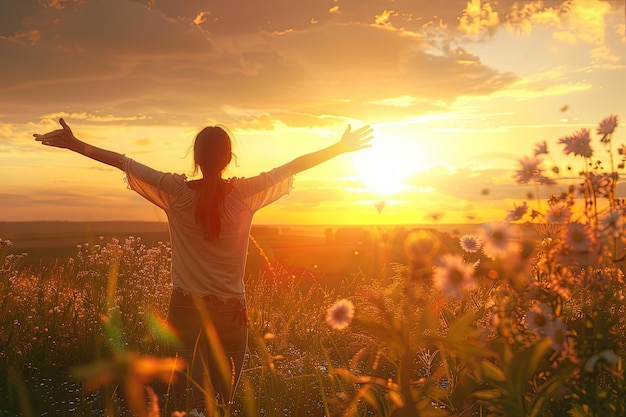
{"x": 538, "y": 199}
{"x": 610, "y": 146}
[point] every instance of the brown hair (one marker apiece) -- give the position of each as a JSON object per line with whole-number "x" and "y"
{"x": 212, "y": 152}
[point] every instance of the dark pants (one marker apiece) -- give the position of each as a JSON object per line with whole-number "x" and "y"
{"x": 213, "y": 340}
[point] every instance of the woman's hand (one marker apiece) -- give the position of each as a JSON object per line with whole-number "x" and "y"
{"x": 64, "y": 138}
{"x": 350, "y": 142}
{"x": 60, "y": 138}
{"x": 355, "y": 140}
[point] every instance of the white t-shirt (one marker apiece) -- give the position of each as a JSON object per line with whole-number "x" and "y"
{"x": 214, "y": 267}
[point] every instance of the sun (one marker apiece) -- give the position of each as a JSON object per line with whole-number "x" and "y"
{"x": 384, "y": 168}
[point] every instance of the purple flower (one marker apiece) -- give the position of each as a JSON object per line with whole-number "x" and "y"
{"x": 578, "y": 143}
{"x": 499, "y": 240}
{"x": 559, "y": 213}
{"x": 530, "y": 171}
{"x": 541, "y": 321}
{"x": 517, "y": 213}
{"x": 607, "y": 126}
{"x": 579, "y": 237}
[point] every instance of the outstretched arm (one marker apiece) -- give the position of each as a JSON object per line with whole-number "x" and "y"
{"x": 64, "y": 138}
{"x": 350, "y": 141}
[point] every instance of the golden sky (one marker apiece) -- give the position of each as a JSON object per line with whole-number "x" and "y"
{"x": 456, "y": 92}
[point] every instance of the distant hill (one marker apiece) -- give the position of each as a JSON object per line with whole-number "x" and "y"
{"x": 50, "y": 240}
{"x": 325, "y": 248}
{"x": 12, "y": 230}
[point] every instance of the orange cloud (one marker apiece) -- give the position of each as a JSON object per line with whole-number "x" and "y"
{"x": 94, "y": 118}
{"x": 58, "y": 4}
{"x": 201, "y": 18}
{"x": 585, "y": 20}
{"x": 24, "y": 36}
{"x": 577, "y": 20}
{"x": 383, "y": 18}
{"x": 477, "y": 17}
{"x": 524, "y": 17}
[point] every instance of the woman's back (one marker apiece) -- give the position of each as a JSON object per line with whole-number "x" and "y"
{"x": 200, "y": 265}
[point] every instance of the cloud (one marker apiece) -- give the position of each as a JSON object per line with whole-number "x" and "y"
{"x": 574, "y": 21}
{"x": 101, "y": 54}
{"x": 602, "y": 55}
{"x": 96, "y": 56}
{"x": 524, "y": 17}
{"x": 109, "y": 118}
{"x": 478, "y": 17}
{"x": 25, "y": 36}
{"x": 586, "y": 20}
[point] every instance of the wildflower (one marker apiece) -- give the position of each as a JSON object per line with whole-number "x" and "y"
{"x": 541, "y": 148}
{"x": 453, "y": 275}
{"x": 578, "y": 143}
{"x": 498, "y": 240}
{"x": 517, "y": 213}
{"x": 541, "y": 321}
{"x": 607, "y": 127}
{"x": 529, "y": 169}
{"x": 470, "y": 243}
{"x": 340, "y": 315}
{"x": 559, "y": 213}
{"x": 578, "y": 237}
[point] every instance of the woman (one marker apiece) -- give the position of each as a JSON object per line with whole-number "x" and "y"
{"x": 209, "y": 221}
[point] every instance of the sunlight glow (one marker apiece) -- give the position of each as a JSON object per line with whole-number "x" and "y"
{"x": 384, "y": 168}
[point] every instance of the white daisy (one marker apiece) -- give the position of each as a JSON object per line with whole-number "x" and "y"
{"x": 340, "y": 315}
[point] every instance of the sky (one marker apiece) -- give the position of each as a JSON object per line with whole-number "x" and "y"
{"x": 456, "y": 92}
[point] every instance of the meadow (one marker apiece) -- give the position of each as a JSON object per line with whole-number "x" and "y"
{"x": 523, "y": 316}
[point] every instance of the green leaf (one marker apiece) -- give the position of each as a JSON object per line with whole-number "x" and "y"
{"x": 467, "y": 384}
{"x": 524, "y": 364}
{"x": 545, "y": 392}
{"x": 489, "y": 394}
{"x": 491, "y": 373}
{"x": 464, "y": 337}
{"x": 448, "y": 315}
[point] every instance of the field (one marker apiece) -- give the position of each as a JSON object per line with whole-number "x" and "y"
{"x": 440, "y": 327}
{"x": 55, "y": 276}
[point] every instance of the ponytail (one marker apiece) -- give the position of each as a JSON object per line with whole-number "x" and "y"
{"x": 209, "y": 206}
{"x": 212, "y": 153}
